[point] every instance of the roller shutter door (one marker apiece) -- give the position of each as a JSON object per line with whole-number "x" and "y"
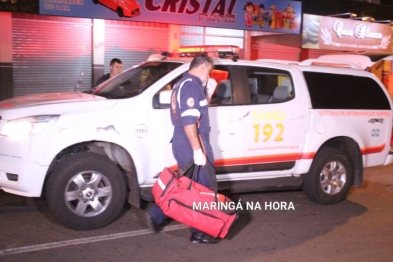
{"x": 133, "y": 42}
{"x": 274, "y": 51}
{"x": 50, "y": 53}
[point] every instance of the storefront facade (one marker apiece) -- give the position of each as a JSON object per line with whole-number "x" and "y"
{"x": 49, "y": 46}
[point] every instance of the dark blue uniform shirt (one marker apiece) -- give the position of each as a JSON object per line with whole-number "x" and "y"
{"x": 188, "y": 105}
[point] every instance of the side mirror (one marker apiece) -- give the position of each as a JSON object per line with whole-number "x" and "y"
{"x": 162, "y": 100}
{"x": 165, "y": 97}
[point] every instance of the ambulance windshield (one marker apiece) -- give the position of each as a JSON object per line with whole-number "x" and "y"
{"x": 135, "y": 80}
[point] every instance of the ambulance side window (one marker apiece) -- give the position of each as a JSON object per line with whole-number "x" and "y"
{"x": 269, "y": 85}
{"x": 223, "y": 94}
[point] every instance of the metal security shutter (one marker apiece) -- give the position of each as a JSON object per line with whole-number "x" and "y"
{"x": 50, "y": 53}
{"x": 282, "y": 52}
{"x": 133, "y": 42}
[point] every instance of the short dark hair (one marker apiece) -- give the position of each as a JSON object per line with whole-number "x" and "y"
{"x": 201, "y": 58}
{"x": 116, "y": 60}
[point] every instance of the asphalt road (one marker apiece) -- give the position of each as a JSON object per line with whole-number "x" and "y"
{"x": 357, "y": 229}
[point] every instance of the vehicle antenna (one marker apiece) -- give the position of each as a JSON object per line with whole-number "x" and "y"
{"x": 76, "y": 87}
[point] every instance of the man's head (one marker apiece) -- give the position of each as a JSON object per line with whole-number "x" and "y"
{"x": 201, "y": 67}
{"x": 116, "y": 67}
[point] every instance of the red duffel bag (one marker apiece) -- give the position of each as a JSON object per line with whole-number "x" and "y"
{"x": 193, "y": 204}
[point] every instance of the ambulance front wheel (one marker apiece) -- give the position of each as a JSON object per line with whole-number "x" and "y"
{"x": 330, "y": 177}
{"x": 86, "y": 191}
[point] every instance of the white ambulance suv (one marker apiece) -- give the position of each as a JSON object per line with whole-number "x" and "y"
{"x": 274, "y": 125}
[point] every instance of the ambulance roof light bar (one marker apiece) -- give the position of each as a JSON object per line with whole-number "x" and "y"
{"x": 217, "y": 51}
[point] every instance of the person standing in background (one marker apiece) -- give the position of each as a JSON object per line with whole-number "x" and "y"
{"x": 115, "y": 68}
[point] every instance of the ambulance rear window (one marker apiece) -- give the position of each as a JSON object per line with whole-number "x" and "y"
{"x": 335, "y": 91}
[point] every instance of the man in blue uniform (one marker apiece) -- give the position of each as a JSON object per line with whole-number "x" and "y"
{"x": 189, "y": 115}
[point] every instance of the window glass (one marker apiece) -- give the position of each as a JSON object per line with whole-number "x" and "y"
{"x": 334, "y": 91}
{"x": 220, "y": 40}
{"x": 187, "y": 40}
{"x": 224, "y": 32}
{"x": 192, "y": 29}
{"x": 223, "y": 94}
{"x": 269, "y": 85}
{"x": 196, "y": 35}
{"x": 135, "y": 80}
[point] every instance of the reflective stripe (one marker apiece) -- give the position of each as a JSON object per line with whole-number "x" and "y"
{"x": 161, "y": 184}
{"x": 191, "y": 112}
{"x": 178, "y": 93}
{"x": 203, "y": 102}
{"x": 207, "y": 193}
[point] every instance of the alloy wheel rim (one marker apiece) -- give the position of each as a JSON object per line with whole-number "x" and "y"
{"x": 88, "y": 193}
{"x": 333, "y": 177}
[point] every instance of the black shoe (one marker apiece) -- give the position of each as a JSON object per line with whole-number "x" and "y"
{"x": 202, "y": 238}
{"x": 152, "y": 224}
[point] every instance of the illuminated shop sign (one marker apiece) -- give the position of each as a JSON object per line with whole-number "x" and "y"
{"x": 322, "y": 32}
{"x": 261, "y": 15}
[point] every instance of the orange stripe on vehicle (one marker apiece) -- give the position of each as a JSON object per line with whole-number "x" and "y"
{"x": 372, "y": 149}
{"x": 263, "y": 159}
{"x": 279, "y": 158}
{"x": 259, "y": 159}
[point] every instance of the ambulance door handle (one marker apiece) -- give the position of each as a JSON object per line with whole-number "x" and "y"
{"x": 238, "y": 117}
{"x": 232, "y": 118}
{"x": 296, "y": 117}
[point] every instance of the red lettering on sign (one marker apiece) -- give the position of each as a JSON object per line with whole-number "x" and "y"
{"x": 190, "y": 7}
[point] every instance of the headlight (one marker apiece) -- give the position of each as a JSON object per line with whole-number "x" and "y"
{"x": 24, "y": 127}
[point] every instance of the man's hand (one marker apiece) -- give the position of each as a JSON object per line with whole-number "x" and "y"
{"x": 199, "y": 158}
{"x": 211, "y": 85}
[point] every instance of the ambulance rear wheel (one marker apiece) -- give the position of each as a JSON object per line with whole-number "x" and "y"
{"x": 330, "y": 177}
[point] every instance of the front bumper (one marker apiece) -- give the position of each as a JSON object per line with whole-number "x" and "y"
{"x": 21, "y": 177}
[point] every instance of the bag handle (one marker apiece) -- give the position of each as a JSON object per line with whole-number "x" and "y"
{"x": 184, "y": 169}
{"x": 210, "y": 172}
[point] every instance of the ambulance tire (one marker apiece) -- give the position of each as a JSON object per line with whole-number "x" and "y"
{"x": 330, "y": 177}
{"x": 86, "y": 191}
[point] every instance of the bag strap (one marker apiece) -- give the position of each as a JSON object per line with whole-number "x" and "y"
{"x": 209, "y": 167}
{"x": 182, "y": 171}
{"x": 212, "y": 177}
{"x": 211, "y": 173}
